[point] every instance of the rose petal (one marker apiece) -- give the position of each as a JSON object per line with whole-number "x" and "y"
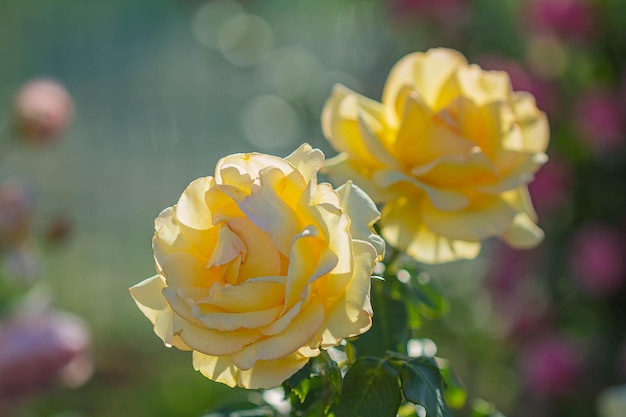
{"x": 402, "y": 226}
{"x": 149, "y": 298}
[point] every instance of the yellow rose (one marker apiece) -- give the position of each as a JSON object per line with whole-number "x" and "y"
{"x": 260, "y": 267}
{"x": 449, "y": 151}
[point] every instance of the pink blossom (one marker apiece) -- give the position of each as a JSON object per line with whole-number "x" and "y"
{"x": 43, "y": 110}
{"x": 551, "y": 367}
{"x": 597, "y": 260}
{"x": 40, "y": 350}
{"x": 565, "y": 18}
{"x": 600, "y": 121}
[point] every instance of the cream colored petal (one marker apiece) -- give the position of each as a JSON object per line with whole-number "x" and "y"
{"x": 402, "y": 226}
{"x": 416, "y": 124}
{"x": 523, "y": 233}
{"x": 486, "y": 216}
{"x": 270, "y": 213}
{"x": 341, "y": 170}
{"x": 486, "y": 126}
{"x": 246, "y": 297}
{"x": 149, "y": 298}
{"x": 228, "y": 246}
{"x": 307, "y": 161}
{"x": 363, "y": 214}
{"x": 217, "y": 368}
{"x": 182, "y": 269}
{"x": 270, "y": 374}
{"x": 456, "y": 171}
{"x": 519, "y": 198}
{"x": 262, "y": 257}
{"x": 449, "y": 200}
{"x": 192, "y": 209}
{"x": 532, "y": 121}
{"x": 168, "y": 237}
{"x": 236, "y": 321}
{"x": 335, "y": 226}
{"x": 483, "y": 86}
{"x": 341, "y": 126}
{"x": 296, "y": 335}
{"x": 309, "y": 260}
{"x": 236, "y": 178}
{"x": 251, "y": 164}
{"x": 517, "y": 169}
{"x": 372, "y": 135}
{"x": 213, "y": 342}
{"x": 428, "y": 72}
{"x": 351, "y": 314}
{"x": 437, "y": 139}
{"x": 286, "y": 317}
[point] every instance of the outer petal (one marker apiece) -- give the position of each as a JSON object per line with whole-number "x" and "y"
{"x": 485, "y": 217}
{"x": 192, "y": 209}
{"x": 402, "y": 226}
{"x": 532, "y": 121}
{"x": 149, "y": 298}
{"x": 270, "y": 374}
{"x": 307, "y": 161}
{"x": 341, "y": 170}
{"x": 427, "y": 72}
{"x": 343, "y": 117}
{"x": 363, "y": 214}
{"x": 351, "y": 314}
{"x": 264, "y": 375}
{"x": 296, "y": 335}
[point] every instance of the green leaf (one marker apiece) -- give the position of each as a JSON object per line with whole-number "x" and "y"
{"x": 389, "y": 329}
{"x": 454, "y": 392}
{"x": 299, "y": 383}
{"x": 370, "y": 389}
{"x": 481, "y": 408}
{"x": 334, "y": 375}
{"x": 422, "y": 384}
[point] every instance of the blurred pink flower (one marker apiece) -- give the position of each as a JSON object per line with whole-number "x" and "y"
{"x": 600, "y": 121}
{"x": 597, "y": 259}
{"x": 551, "y": 367}
{"x": 552, "y": 186}
{"x": 568, "y": 19}
{"x": 40, "y": 350}
{"x": 16, "y": 206}
{"x": 43, "y": 109}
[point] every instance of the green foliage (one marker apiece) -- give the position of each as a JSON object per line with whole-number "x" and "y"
{"x": 454, "y": 393}
{"x": 370, "y": 389}
{"x": 422, "y": 384}
{"x": 481, "y": 408}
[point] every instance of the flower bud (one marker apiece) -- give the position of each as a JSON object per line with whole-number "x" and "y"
{"x": 43, "y": 349}
{"x": 43, "y": 109}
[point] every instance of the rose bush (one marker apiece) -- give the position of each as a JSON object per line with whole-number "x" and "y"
{"x": 260, "y": 267}
{"x": 449, "y": 152}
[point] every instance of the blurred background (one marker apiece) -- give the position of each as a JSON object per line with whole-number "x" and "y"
{"x": 158, "y": 90}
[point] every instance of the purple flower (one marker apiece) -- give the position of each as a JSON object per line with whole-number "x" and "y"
{"x": 40, "y": 350}
{"x": 597, "y": 259}
{"x": 600, "y": 121}
{"x": 568, "y": 19}
{"x": 551, "y": 367}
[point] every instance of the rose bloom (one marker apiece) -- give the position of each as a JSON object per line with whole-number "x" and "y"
{"x": 260, "y": 267}
{"x": 449, "y": 152}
